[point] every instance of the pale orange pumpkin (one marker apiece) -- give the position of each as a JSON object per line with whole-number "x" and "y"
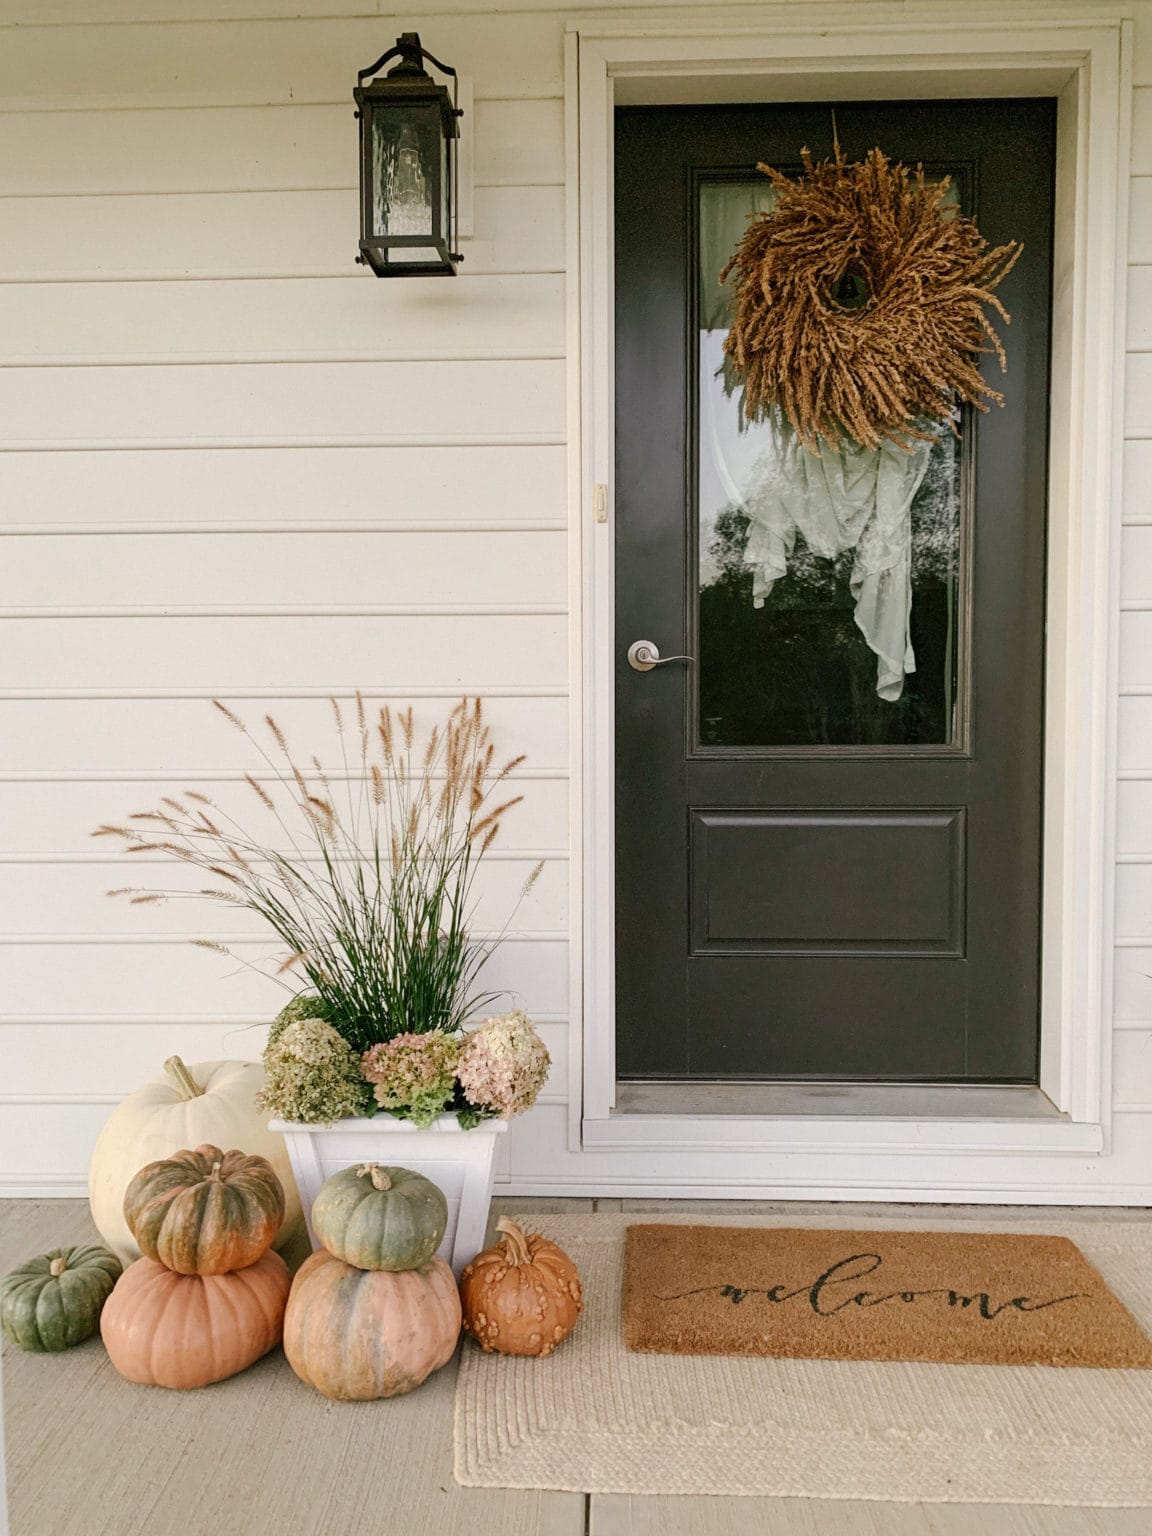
{"x": 205, "y": 1212}
{"x": 167, "y": 1330}
{"x": 522, "y": 1296}
{"x": 358, "y": 1334}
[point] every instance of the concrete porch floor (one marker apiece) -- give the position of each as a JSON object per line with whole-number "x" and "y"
{"x": 262, "y": 1456}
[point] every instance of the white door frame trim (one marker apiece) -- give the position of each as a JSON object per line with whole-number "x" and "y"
{"x": 1085, "y": 61}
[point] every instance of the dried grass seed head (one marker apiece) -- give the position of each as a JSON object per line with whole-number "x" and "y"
{"x": 261, "y": 792}
{"x": 277, "y": 734}
{"x": 228, "y": 715}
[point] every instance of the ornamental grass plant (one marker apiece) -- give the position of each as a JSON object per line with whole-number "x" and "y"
{"x": 371, "y": 883}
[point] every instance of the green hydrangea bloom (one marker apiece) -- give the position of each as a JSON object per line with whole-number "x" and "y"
{"x": 306, "y": 1006}
{"x": 312, "y": 1075}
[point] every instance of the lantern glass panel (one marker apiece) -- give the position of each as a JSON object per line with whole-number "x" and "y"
{"x": 445, "y": 188}
{"x": 407, "y": 178}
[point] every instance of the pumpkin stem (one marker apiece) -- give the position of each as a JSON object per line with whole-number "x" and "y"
{"x": 58, "y": 1266}
{"x": 216, "y": 1174}
{"x": 181, "y": 1077}
{"x": 515, "y": 1242}
{"x": 380, "y": 1179}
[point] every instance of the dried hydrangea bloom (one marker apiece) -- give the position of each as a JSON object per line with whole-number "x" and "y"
{"x": 306, "y": 1005}
{"x": 503, "y": 1065}
{"x": 414, "y": 1075}
{"x": 312, "y": 1075}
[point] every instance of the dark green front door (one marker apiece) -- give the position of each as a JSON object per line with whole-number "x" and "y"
{"x": 829, "y": 820}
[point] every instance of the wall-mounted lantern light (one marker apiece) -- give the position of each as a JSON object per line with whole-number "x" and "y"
{"x": 408, "y": 171}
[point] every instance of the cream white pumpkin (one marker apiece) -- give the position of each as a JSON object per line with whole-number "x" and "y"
{"x": 213, "y": 1101}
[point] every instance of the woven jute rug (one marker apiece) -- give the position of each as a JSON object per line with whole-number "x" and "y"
{"x": 975, "y": 1298}
{"x": 597, "y": 1417}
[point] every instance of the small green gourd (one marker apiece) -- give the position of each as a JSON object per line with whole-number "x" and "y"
{"x": 54, "y": 1301}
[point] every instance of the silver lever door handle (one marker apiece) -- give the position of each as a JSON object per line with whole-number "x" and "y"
{"x": 643, "y": 655}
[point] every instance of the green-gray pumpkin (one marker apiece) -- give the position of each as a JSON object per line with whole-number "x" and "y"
{"x": 380, "y": 1218}
{"x": 54, "y": 1300}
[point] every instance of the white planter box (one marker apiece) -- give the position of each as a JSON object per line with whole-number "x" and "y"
{"x": 459, "y": 1162}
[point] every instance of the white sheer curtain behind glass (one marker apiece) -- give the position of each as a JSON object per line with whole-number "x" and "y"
{"x": 844, "y": 520}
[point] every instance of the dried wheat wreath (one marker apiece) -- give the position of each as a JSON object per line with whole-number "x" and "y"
{"x": 860, "y": 304}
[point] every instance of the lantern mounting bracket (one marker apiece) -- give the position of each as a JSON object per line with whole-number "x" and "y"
{"x": 410, "y": 49}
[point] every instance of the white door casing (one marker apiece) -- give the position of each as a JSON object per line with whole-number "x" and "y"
{"x": 1084, "y": 61}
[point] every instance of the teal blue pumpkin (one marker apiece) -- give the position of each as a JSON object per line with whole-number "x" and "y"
{"x": 54, "y": 1301}
{"x": 380, "y": 1218}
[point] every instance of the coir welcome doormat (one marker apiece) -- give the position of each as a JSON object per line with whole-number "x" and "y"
{"x": 975, "y": 1298}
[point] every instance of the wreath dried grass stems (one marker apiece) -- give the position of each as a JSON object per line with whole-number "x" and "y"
{"x": 910, "y": 353}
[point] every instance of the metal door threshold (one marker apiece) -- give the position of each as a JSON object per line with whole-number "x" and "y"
{"x": 884, "y": 1101}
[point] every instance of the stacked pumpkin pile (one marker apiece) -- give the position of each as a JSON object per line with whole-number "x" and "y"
{"x": 207, "y": 1299}
{"x": 211, "y": 1102}
{"x": 374, "y": 1311}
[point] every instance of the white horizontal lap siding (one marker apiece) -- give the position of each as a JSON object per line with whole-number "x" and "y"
{"x": 326, "y": 318}
{"x": 381, "y": 569}
{"x": 102, "y": 975}
{"x": 275, "y": 490}
{"x": 220, "y": 652}
{"x": 282, "y": 403}
{"x": 89, "y": 741}
{"x": 429, "y": 14}
{"x": 1134, "y": 818}
{"x": 51, "y": 900}
{"x": 296, "y": 59}
{"x": 1140, "y": 223}
{"x": 1134, "y": 751}
{"x": 289, "y": 234}
{"x": 45, "y": 820}
{"x": 1132, "y": 1068}
{"x": 101, "y": 1058}
{"x": 234, "y": 464}
{"x": 1132, "y": 997}
{"x": 259, "y": 148}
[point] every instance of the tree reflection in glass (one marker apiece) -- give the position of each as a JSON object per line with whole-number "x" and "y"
{"x": 828, "y": 604}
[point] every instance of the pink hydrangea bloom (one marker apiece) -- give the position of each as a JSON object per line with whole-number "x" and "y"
{"x": 414, "y": 1075}
{"x": 503, "y": 1065}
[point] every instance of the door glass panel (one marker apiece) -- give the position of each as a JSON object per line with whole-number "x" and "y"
{"x": 830, "y": 591}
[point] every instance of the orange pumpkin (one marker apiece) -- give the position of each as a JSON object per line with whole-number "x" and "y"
{"x": 205, "y": 1212}
{"x": 167, "y": 1330}
{"x": 521, "y": 1297}
{"x": 356, "y": 1334}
